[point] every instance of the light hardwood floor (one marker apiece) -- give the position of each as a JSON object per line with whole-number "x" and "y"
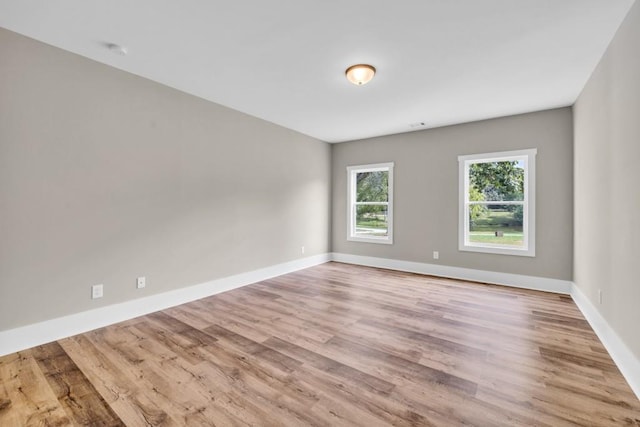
{"x": 331, "y": 345}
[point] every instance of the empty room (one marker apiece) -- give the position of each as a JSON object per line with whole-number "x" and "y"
{"x": 312, "y": 213}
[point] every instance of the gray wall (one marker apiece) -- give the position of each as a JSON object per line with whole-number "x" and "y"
{"x": 426, "y": 191}
{"x": 607, "y": 192}
{"x": 105, "y": 176}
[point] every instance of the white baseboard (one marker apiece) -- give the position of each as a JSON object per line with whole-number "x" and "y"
{"x": 626, "y": 361}
{"x": 508, "y": 279}
{"x": 21, "y": 338}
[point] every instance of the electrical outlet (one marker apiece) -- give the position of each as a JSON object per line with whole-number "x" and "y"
{"x": 141, "y": 282}
{"x": 302, "y": 249}
{"x": 599, "y": 296}
{"x": 436, "y": 255}
{"x": 97, "y": 291}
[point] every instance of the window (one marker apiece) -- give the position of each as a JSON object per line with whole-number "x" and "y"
{"x": 497, "y": 203}
{"x": 370, "y": 195}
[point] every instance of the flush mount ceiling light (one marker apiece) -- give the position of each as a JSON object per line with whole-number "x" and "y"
{"x": 360, "y": 74}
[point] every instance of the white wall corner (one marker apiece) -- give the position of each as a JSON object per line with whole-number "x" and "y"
{"x": 626, "y": 361}
{"x": 514, "y": 280}
{"x": 25, "y": 337}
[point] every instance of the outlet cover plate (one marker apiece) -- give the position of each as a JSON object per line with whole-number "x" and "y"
{"x": 97, "y": 291}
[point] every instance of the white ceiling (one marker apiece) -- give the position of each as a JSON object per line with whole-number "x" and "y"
{"x": 439, "y": 62}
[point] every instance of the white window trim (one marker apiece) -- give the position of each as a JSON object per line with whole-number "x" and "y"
{"x": 351, "y": 196}
{"x": 529, "y": 205}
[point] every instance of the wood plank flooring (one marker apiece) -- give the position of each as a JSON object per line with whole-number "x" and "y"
{"x": 332, "y": 345}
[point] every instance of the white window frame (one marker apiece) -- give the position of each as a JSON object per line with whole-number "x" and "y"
{"x": 529, "y": 203}
{"x": 352, "y": 171}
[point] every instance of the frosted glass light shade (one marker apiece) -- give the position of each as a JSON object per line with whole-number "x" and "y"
{"x": 360, "y": 74}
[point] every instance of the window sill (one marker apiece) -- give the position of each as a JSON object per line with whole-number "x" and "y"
{"x": 378, "y": 240}
{"x": 498, "y": 250}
